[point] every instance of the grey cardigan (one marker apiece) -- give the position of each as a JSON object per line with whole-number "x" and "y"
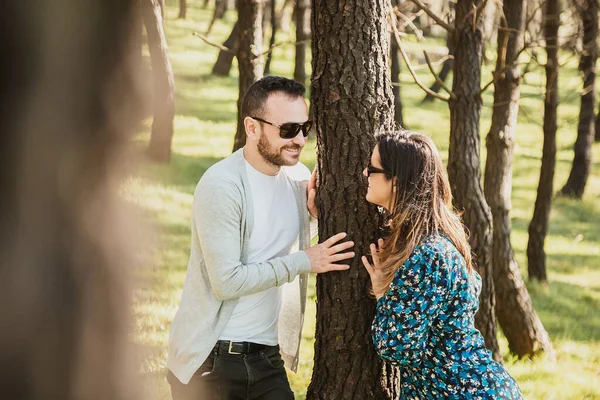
{"x": 218, "y": 273}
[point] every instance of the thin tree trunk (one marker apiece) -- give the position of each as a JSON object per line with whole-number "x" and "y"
{"x": 273, "y": 15}
{"x": 302, "y": 13}
{"x": 218, "y": 13}
{"x": 225, "y": 59}
{"x": 597, "y": 127}
{"x": 182, "y": 9}
{"x": 582, "y": 160}
{"x": 538, "y": 227}
{"x": 250, "y": 14}
{"x": 159, "y": 148}
{"x": 464, "y": 165}
{"x": 395, "y": 56}
{"x": 352, "y": 99}
{"x": 520, "y": 323}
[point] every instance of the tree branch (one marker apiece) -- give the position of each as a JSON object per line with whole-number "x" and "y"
{"x": 437, "y": 77}
{"x": 393, "y": 22}
{"x": 281, "y": 44}
{"x": 218, "y": 46}
{"x": 433, "y": 16}
{"x": 409, "y": 21}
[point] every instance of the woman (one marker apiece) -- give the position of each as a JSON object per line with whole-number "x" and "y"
{"x": 422, "y": 275}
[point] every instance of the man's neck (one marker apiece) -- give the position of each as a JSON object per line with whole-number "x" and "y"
{"x": 258, "y": 162}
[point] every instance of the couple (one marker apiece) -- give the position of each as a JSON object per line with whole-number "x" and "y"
{"x": 243, "y": 301}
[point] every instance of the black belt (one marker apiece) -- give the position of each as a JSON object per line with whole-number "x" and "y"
{"x": 227, "y": 347}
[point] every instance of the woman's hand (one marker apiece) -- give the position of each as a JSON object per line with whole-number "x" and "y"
{"x": 374, "y": 270}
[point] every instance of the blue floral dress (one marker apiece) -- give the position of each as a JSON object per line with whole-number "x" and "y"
{"x": 425, "y": 325}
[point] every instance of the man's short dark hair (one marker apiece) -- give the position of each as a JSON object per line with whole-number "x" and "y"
{"x": 255, "y": 98}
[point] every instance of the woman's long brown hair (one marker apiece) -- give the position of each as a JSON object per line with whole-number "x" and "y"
{"x": 422, "y": 201}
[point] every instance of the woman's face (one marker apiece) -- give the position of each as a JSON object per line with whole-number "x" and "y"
{"x": 380, "y": 190}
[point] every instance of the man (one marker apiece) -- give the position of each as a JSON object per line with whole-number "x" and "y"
{"x": 237, "y": 322}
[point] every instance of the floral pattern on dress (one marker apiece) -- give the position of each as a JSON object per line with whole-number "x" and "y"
{"x": 425, "y": 325}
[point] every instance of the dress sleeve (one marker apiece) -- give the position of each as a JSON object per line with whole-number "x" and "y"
{"x": 404, "y": 315}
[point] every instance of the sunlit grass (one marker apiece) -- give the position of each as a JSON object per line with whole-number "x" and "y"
{"x": 204, "y": 130}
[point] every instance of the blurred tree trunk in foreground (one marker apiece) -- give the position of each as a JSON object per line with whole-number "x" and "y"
{"x": 68, "y": 105}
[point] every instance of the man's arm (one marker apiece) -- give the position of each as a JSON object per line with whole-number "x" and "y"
{"x": 218, "y": 217}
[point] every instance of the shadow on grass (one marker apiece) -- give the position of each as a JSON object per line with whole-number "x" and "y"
{"x": 568, "y": 310}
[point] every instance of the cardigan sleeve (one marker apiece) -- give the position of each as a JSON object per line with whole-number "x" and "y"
{"x": 404, "y": 315}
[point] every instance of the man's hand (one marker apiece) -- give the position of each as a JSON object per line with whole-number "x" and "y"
{"x": 311, "y": 193}
{"x": 322, "y": 256}
{"x": 374, "y": 270}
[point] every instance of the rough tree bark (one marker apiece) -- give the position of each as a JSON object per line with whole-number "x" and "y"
{"x": 582, "y": 161}
{"x": 225, "y": 59}
{"x": 538, "y": 227}
{"x": 464, "y": 165}
{"x": 182, "y": 9}
{"x": 250, "y": 66}
{"x": 352, "y": 99}
{"x": 302, "y": 13}
{"x": 520, "y": 323}
{"x": 159, "y": 148}
{"x": 68, "y": 104}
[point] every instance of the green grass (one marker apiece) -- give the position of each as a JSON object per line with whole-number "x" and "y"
{"x": 204, "y": 130}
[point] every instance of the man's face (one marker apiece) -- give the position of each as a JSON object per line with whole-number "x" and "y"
{"x": 280, "y": 109}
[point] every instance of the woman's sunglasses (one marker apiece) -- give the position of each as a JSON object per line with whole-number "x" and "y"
{"x": 289, "y": 130}
{"x": 374, "y": 170}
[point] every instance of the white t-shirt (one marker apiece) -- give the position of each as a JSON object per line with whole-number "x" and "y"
{"x": 274, "y": 234}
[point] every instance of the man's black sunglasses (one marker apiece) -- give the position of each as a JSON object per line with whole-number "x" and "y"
{"x": 289, "y": 130}
{"x": 374, "y": 170}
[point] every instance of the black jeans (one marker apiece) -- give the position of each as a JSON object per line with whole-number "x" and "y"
{"x": 223, "y": 376}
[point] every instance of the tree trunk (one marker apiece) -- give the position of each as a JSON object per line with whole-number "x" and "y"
{"x": 582, "y": 160}
{"x": 218, "y": 13}
{"x": 68, "y": 107}
{"x": 182, "y": 8}
{"x": 538, "y": 227}
{"x": 352, "y": 99}
{"x": 250, "y": 13}
{"x": 464, "y": 165}
{"x": 395, "y": 55}
{"x": 597, "y": 127}
{"x": 302, "y": 13}
{"x": 520, "y": 323}
{"x": 225, "y": 59}
{"x": 159, "y": 148}
{"x": 273, "y": 15}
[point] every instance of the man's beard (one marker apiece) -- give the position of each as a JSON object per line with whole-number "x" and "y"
{"x": 274, "y": 156}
